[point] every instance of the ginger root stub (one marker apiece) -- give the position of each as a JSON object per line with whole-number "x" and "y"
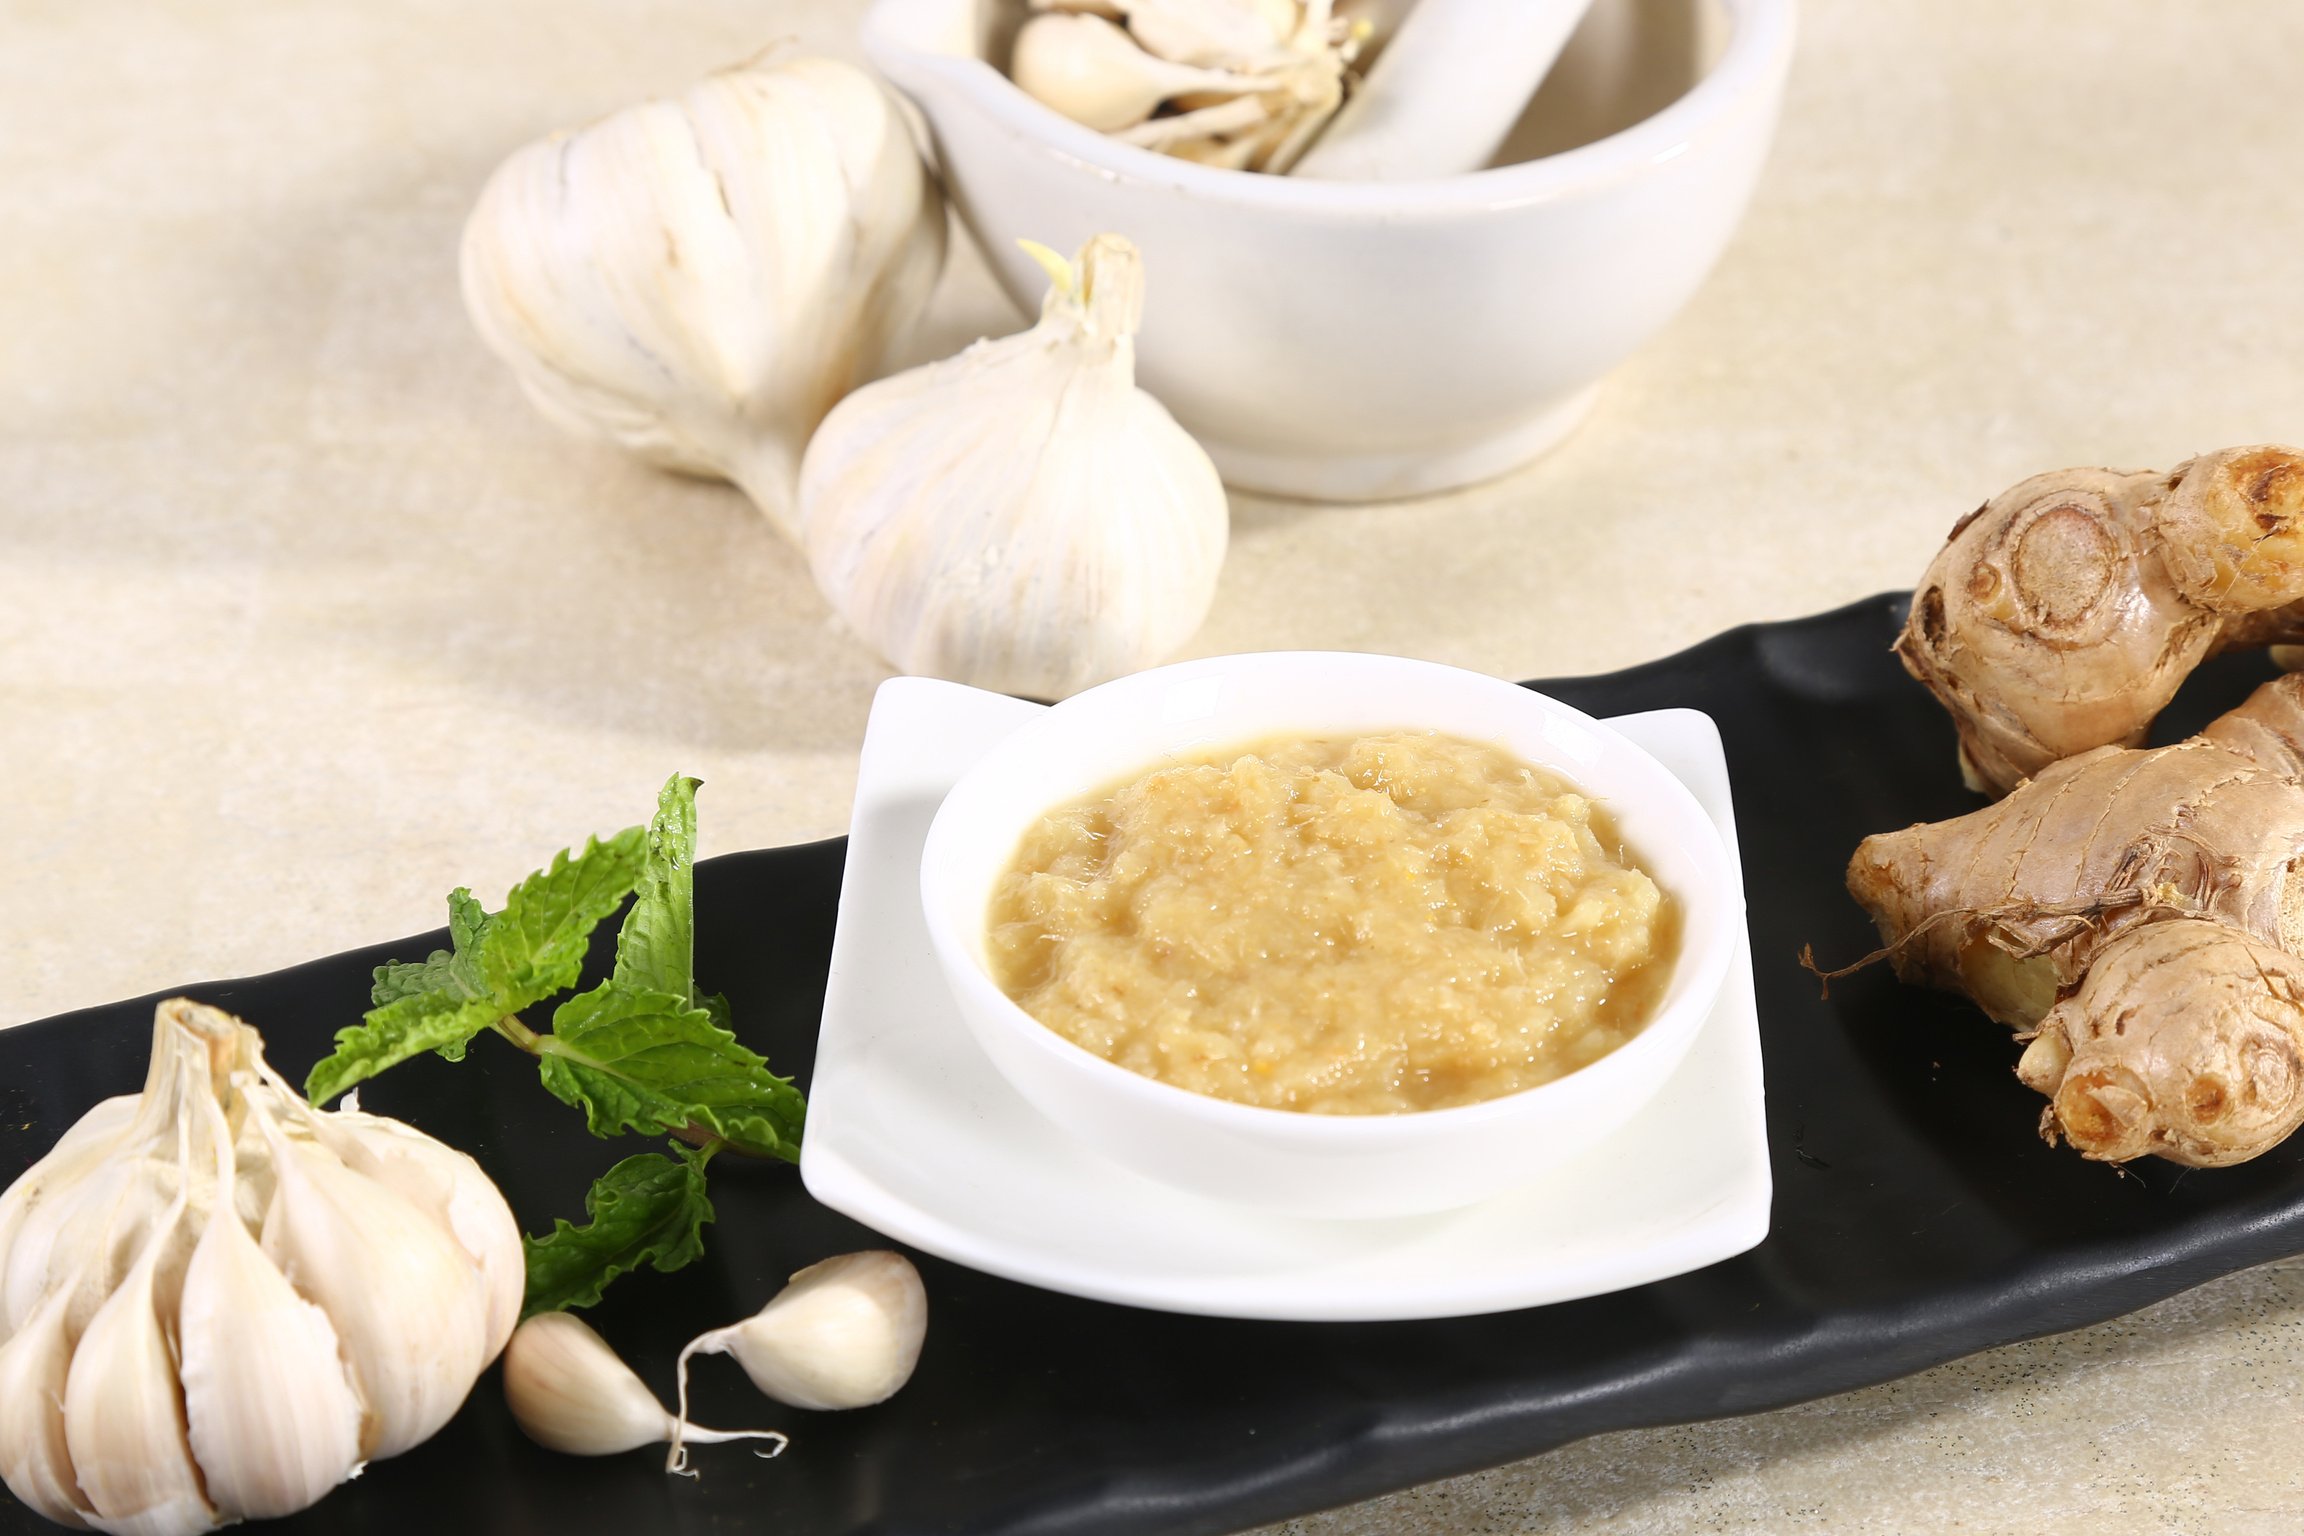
{"x": 2138, "y": 917}
{"x": 2064, "y": 613}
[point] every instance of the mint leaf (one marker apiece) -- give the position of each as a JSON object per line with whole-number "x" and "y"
{"x": 535, "y": 946}
{"x": 649, "y": 1209}
{"x": 645, "y": 1061}
{"x": 500, "y": 963}
{"x": 716, "y": 1006}
{"x": 467, "y": 919}
{"x": 656, "y": 948}
{"x": 409, "y": 1026}
{"x": 454, "y": 970}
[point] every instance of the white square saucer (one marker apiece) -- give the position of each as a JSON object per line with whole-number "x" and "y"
{"x": 912, "y": 1132}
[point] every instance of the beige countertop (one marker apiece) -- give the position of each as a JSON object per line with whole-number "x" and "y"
{"x": 305, "y": 617}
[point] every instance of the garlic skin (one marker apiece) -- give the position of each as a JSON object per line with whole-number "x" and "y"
{"x": 1020, "y": 517}
{"x": 449, "y": 1186}
{"x": 569, "y": 1392}
{"x": 123, "y": 1414}
{"x": 213, "y": 1316}
{"x": 408, "y": 1303}
{"x": 272, "y": 1416}
{"x": 845, "y": 1333}
{"x": 699, "y": 279}
{"x": 35, "y": 1460}
{"x": 43, "y": 1202}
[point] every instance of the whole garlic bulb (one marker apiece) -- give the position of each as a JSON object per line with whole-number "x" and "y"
{"x": 1020, "y": 517}
{"x": 217, "y": 1302}
{"x": 699, "y": 279}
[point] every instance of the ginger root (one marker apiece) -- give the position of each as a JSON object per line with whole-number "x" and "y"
{"x": 2063, "y": 614}
{"x": 2182, "y": 1040}
{"x": 2138, "y": 917}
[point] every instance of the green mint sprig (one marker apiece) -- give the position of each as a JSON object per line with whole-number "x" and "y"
{"x": 649, "y": 1209}
{"x": 644, "y": 1052}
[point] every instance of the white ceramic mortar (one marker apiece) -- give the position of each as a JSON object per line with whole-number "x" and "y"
{"x": 1360, "y": 340}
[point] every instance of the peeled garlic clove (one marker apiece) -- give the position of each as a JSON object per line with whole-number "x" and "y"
{"x": 1021, "y": 517}
{"x": 569, "y": 1392}
{"x": 408, "y": 1305}
{"x": 1090, "y": 70}
{"x": 124, "y": 1414}
{"x": 845, "y": 1333}
{"x": 699, "y": 279}
{"x": 272, "y": 1418}
{"x": 35, "y": 1460}
{"x": 1215, "y": 34}
{"x": 452, "y": 1188}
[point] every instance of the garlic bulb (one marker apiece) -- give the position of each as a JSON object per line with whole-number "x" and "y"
{"x": 700, "y": 279}
{"x": 1021, "y": 516}
{"x": 217, "y": 1303}
{"x": 844, "y": 1333}
{"x": 570, "y": 1393}
{"x": 1252, "y": 82}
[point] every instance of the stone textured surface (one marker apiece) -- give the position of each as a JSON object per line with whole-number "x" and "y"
{"x": 305, "y": 617}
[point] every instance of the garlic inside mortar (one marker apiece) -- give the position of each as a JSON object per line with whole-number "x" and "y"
{"x": 207, "y": 1313}
{"x": 699, "y": 279}
{"x": 1020, "y": 517}
{"x": 1249, "y": 83}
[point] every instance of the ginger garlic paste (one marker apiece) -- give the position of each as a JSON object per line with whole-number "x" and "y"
{"x": 1395, "y": 922}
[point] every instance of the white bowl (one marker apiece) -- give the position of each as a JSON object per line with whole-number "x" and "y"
{"x": 1278, "y": 1160}
{"x": 1355, "y": 340}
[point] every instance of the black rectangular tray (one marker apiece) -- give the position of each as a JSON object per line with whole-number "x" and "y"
{"x": 1918, "y": 1216}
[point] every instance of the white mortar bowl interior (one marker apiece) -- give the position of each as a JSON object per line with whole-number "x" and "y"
{"x": 1361, "y": 340}
{"x": 1280, "y": 1160}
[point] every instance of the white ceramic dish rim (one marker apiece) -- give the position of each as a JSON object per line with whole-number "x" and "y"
{"x": 1713, "y": 950}
{"x": 1760, "y": 32}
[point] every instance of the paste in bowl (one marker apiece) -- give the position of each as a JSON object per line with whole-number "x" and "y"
{"x": 1342, "y": 926}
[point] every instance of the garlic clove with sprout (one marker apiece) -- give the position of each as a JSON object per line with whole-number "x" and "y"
{"x": 35, "y": 1459}
{"x": 845, "y": 1333}
{"x": 409, "y": 1307}
{"x": 271, "y": 1416}
{"x": 1089, "y": 70}
{"x": 569, "y": 1392}
{"x": 699, "y": 279}
{"x": 1020, "y": 517}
